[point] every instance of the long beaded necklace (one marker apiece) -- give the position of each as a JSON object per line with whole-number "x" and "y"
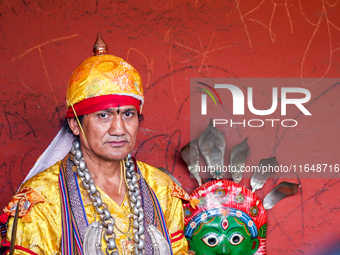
{"x": 107, "y": 220}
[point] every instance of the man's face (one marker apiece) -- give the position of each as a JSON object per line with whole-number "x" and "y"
{"x": 110, "y": 134}
{"x": 223, "y": 235}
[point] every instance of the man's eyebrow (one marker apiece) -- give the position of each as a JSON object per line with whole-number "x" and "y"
{"x": 112, "y": 110}
{"x": 129, "y": 109}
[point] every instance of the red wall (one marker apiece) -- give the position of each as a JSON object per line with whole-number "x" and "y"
{"x": 169, "y": 42}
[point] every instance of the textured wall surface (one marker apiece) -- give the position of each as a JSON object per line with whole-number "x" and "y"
{"x": 169, "y": 42}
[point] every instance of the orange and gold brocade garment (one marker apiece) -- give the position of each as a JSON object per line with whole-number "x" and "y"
{"x": 41, "y": 231}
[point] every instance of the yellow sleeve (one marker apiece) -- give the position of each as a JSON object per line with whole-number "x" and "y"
{"x": 39, "y": 230}
{"x": 42, "y": 235}
{"x": 175, "y": 223}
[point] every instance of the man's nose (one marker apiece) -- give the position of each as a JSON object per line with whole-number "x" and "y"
{"x": 117, "y": 126}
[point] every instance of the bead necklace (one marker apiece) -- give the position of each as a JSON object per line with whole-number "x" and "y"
{"x": 107, "y": 220}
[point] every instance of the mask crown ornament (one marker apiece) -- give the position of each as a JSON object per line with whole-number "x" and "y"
{"x": 100, "y": 47}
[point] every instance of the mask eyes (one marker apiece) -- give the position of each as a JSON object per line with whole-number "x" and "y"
{"x": 211, "y": 240}
{"x": 236, "y": 239}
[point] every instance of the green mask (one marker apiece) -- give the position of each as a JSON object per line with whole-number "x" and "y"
{"x": 224, "y": 217}
{"x": 223, "y": 235}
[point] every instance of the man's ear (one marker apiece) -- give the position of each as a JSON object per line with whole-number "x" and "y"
{"x": 73, "y": 124}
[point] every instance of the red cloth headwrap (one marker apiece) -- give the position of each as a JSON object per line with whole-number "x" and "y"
{"x": 100, "y": 103}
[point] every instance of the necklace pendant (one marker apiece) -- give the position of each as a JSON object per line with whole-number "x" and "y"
{"x": 159, "y": 243}
{"x": 128, "y": 247}
{"x": 92, "y": 239}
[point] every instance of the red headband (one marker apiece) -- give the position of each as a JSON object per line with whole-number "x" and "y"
{"x": 100, "y": 103}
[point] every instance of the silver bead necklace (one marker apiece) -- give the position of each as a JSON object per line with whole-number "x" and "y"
{"x": 107, "y": 220}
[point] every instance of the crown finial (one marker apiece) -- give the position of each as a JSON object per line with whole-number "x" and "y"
{"x": 100, "y": 47}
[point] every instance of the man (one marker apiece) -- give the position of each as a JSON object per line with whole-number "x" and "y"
{"x": 96, "y": 199}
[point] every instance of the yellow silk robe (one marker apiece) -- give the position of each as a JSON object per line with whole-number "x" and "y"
{"x": 40, "y": 230}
